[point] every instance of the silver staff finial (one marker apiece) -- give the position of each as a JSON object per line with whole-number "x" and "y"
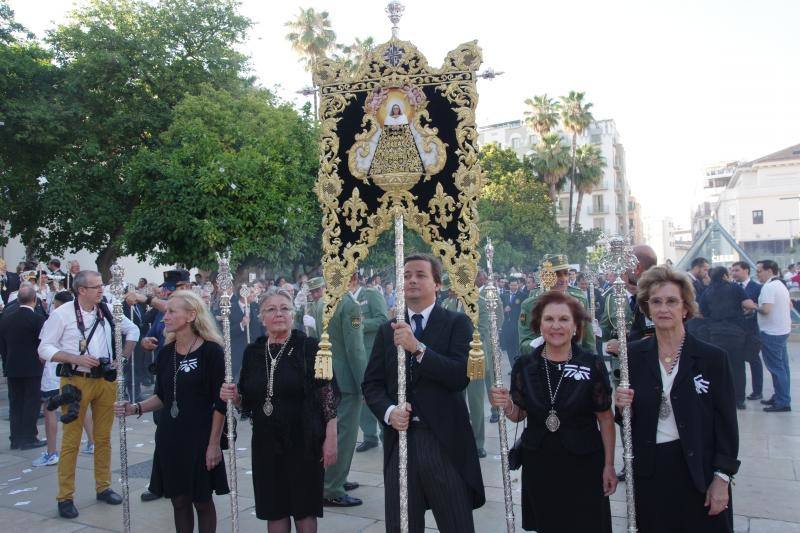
{"x": 395, "y": 11}
{"x": 618, "y": 257}
{"x": 224, "y": 278}
{"x": 489, "y": 249}
{"x": 117, "y": 282}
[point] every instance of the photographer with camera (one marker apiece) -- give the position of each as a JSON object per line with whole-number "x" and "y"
{"x": 81, "y": 338}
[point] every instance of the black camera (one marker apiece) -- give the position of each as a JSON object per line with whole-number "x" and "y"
{"x": 71, "y": 397}
{"x": 104, "y": 370}
{"x": 64, "y": 370}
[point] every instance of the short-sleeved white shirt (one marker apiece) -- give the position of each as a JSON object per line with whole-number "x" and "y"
{"x": 779, "y": 319}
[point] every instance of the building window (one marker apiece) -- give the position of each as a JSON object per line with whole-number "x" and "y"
{"x": 597, "y": 204}
{"x": 515, "y": 143}
{"x": 758, "y": 216}
{"x": 599, "y": 223}
{"x": 596, "y": 138}
{"x": 532, "y": 140}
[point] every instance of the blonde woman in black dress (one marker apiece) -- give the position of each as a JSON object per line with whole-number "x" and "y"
{"x": 293, "y": 417}
{"x": 187, "y": 462}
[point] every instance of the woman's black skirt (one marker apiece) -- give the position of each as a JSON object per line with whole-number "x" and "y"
{"x": 669, "y": 502}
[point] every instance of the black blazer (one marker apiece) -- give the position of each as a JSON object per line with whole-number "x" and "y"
{"x": 19, "y": 343}
{"x": 436, "y": 393}
{"x": 10, "y": 285}
{"x": 707, "y": 424}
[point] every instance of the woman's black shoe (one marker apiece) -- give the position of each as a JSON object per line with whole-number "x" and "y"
{"x": 67, "y": 509}
{"x": 148, "y": 496}
{"x": 754, "y": 396}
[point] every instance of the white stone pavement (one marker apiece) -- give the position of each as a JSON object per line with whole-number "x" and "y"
{"x": 766, "y": 494}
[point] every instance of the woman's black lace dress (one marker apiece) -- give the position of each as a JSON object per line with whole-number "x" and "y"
{"x": 287, "y": 445}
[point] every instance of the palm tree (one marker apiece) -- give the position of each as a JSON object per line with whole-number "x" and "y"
{"x": 590, "y": 164}
{"x": 355, "y": 54}
{"x": 543, "y": 115}
{"x": 311, "y": 37}
{"x": 550, "y": 161}
{"x": 576, "y": 118}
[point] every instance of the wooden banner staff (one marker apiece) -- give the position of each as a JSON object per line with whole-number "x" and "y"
{"x": 618, "y": 259}
{"x": 118, "y": 290}
{"x": 492, "y": 304}
{"x": 225, "y": 283}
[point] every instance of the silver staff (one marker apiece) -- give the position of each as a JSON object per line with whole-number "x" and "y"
{"x": 619, "y": 259}
{"x": 118, "y": 290}
{"x": 400, "y": 315}
{"x": 244, "y": 292}
{"x": 492, "y": 303}
{"x": 225, "y": 283}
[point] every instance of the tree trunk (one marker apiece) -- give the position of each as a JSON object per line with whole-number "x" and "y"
{"x": 578, "y": 207}
{"x": 572, "y": 181}
{"x": 553, "y": 192}
{"x": 105, "y": 259}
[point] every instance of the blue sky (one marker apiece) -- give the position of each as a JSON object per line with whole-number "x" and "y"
{"x": 689, "y": 84}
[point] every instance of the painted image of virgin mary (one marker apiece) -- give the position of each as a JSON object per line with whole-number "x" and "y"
{"x": 396, "y": 151}
{"x": 395, "y": 141}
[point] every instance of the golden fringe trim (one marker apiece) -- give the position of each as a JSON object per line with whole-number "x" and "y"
{"x": 476, "y": 364}
{"x": 323, "y": 363}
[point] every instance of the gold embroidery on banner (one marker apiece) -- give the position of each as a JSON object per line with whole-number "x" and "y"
{"x": 393, "y": 66}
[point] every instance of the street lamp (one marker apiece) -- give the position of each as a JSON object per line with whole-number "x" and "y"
{"x": 310, "y": 91}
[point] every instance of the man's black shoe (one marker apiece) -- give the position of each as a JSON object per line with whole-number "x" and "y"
{"x": 754, "y": 396}
{"x": 741, "y": 406}
{"x": 366, "y": 445}
{"x": 15, "y": 446}
{"x": 777, "y": 409}
{"x": 110, "y": 497}
{"x": 342, "y": 501}
{"x": 36, "y": 443}
{"x": 494, "y": 419}
{"x": 67, "y": 509}
{"x": 481, "y": 453}
{"x": 148, "y": 496}
{"x": 350, "y": 485}
{"x": 771, "y": 401}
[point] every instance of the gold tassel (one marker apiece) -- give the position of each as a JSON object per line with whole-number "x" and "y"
{"x": 476, "y": 364}
{"x": 323, "y": 363}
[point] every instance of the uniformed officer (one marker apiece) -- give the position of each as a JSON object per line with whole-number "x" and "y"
{"x": 374, "y": 313}
{"x": 512, "y": 306}
{"x": 561, "y": 267}
{"x": 313, "y": 320}
{"x": 346, "y": 330}
{"x": 477, "y": 390}
{"x": 450, "y": 301}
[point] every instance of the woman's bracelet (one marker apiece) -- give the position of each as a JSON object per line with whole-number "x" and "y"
{"x": 138, "y": 408}
{"x": 513, "y": 407}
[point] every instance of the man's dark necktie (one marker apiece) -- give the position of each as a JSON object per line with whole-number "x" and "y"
{"x": 633, "y": 302}
{"x": 417, "y": 326}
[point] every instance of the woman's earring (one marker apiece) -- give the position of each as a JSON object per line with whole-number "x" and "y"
{"x": 574, "y": 332}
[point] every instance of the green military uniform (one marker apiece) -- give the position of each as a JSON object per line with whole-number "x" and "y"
{"x": 527, "y": 334}
{"x": 374, "y": 313}
{"x": 477, "y": 391}
{"x": 315, "y": 309}
{"x": 346, "y": 330}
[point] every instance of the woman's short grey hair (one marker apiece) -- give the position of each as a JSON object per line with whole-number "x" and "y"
{"x": 277, "y": 291}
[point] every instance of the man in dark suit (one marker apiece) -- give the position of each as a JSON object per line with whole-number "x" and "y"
{"x": 740, "y": 273}
{"x": 443, "y": 470}
{"x": 19, "y": 341}
{"x": 512, "y": 305}
{"x": 698, "y": 272}
{"x": 9, "y": 282}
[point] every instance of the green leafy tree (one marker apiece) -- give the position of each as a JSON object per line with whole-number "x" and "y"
{"x": 231, "y": 164}
{"x": 590, "y": 165}
{"x": 126, "y": 65}
{"x": 36, "y": 125}
{"x": 576, "y": 116}
{"x": 550, "y": 161}
{"x": 496, "y": 161}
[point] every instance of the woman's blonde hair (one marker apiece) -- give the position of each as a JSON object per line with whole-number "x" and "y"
{"x": 204, "y": 324}
{"x": 657, "y": 276}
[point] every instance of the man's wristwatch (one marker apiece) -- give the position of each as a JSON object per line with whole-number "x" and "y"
{"x": 420, "y": 350}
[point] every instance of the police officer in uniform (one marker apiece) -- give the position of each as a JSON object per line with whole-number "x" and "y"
{"x": 560, "y": 265}
{"x": 346, "y": 330}
{"x": 374, "y": 313}
{"x": 477, "y": 390}
{"x": 312, "y": 321}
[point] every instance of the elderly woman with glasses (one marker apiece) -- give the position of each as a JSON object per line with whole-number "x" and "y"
{"x": 685, "y": 432}
{"x": 293, "y": 417}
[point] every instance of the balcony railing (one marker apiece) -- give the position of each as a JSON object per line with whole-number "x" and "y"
{"x": 598, "y": 209}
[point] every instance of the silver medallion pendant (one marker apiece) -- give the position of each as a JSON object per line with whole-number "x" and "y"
{"x": 664, "y": 409}
{"x": 268, "y": 407}
{"x": 552, "y": 422}
{"x": 173, "y": 411}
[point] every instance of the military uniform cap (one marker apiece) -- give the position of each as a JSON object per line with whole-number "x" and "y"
{"x": 557, "y": 262}
{"x": 316, "y": 283}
